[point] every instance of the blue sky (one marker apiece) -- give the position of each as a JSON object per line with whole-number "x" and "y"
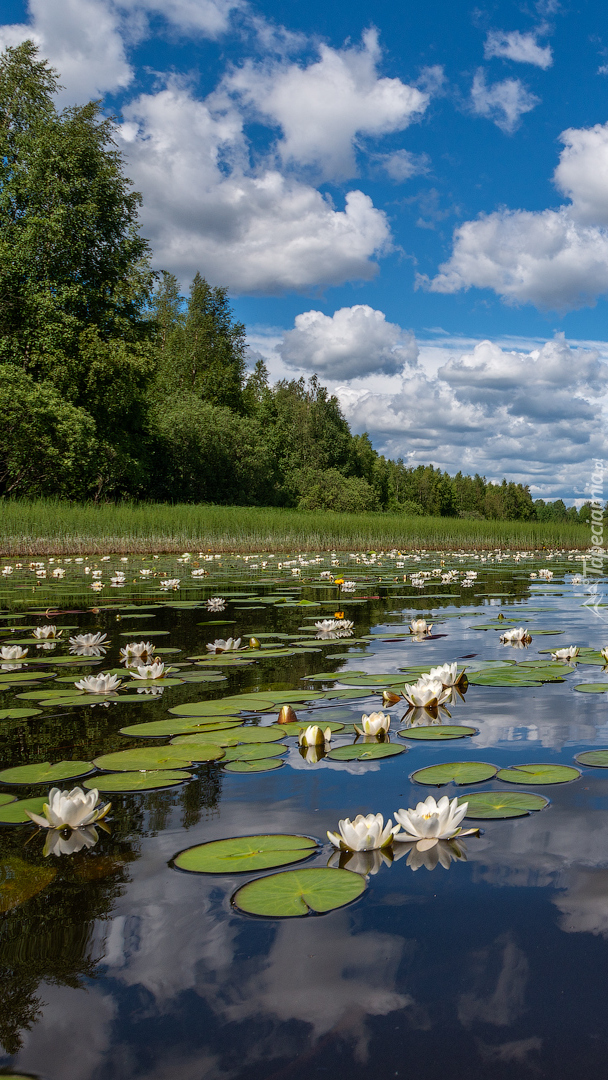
{"x": 411, "y": 200}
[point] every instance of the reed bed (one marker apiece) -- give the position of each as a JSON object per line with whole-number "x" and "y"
{"x": 56, "y": 527}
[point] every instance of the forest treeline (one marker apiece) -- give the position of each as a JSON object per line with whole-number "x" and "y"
{"x": 114, "y": 386}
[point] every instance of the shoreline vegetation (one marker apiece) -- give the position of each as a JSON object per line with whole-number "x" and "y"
{"x": 57, "y": 527}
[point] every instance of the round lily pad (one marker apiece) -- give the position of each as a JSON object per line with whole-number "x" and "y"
{"x": 157, "y": 729}
{"x": 299, "y": 892}
{"x": 13, "y": 813}
{"x": 497, "y": 804}
{"x": 5, "y": 798}
{"x": 245, "y": 853}
{"x": 592, "y": 688}
{"x": 138, "y": 781}
{"x": 265, "y": 764}
{"x": 301, "y": 725}
{"x": 18, "y": 714}
{"x": 45, "y": 773}
{"x": 503, "y": 678}
{"x": 204, "y": 738}
{"x": 539, "y": 774}
{"x": 597, "y": 759}
{"x": 150, "y": 757}
{"x": 25, "y": 676}
{"x": 260, "y": 734}
{"x": 438, "y": 732}
{"x": 455, "y": 772}
{"x": 253, "y": 752}
{"x": 365, "y": 751}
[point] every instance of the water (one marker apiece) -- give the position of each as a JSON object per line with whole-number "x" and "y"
{"x": 116, "y": 965}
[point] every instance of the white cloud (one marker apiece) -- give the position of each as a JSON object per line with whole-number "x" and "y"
{"x": 323, "y": 108}
{"x": 401, "y": 164}
{"x": 255, "y": 231}
{"x": 582, "y": 173}
{"x": 207, "y": 17}
{"x": 82, "y": 40}
{"x": 504, "y": 102}
{"x": 352, "y": 342}
{"x": 514, "y": 45}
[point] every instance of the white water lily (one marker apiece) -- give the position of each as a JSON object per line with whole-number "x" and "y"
{"x": 515, "y": 636}
{"x": 47, "y": 632}
{"x": 97, "y": 586}
{"x": 170, "y": 583}
{"x": 420, "y": 626}
{"x": 431, "y": 821}
{"x": 12, "y": 652}
{"x": 377, "y": 723}
{"x": 150, "y": 671}
{"x": 365, "y": 833}
{"x": 577, "y": 580}
{"x": 137, "y": 650}
{"x": 327, "y": 626}
{"x": 90, "y": 640}
{"x": 99, "y": 684}
{"x": 565, "y": 654}
{"x": 314, "y": 736}
{"x": 219, "y": 645}
{"x": 60, "y": 843}
{"x": 214, "y": 603}
{"x": 447, "y": 674}
{"x": 348, "y": 586}
{"x": 604, "y": 653}
{"x": 70, "y": 809}
{"x": 425, "y": 693}
{"x": 547, "y": 575}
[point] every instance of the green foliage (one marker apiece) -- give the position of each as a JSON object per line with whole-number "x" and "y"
{"x": 329, "y": 489}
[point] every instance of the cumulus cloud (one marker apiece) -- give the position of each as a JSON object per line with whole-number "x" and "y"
{"x": 504, "y": 102}
{"x": 254, "y": 230}
{"x": 514, "y": 45}
{"x": 582, "y": 173}
{"x": 82, "y": 39}
{"x": 325, "y": 107}
{"x": 207, "y": 17}
{"x": 401, "y": 164}
{"x": 353, "y": 342}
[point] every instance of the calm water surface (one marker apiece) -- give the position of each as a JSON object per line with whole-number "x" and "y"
{"x": 117, "y": 966}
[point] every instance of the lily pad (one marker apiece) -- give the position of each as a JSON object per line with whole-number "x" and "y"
{"x": 13, "y": 813}
{"x": 496, "y": 804}
{"x": 294, "y": 893}
{"x": 151, "y": 757}
{"x": 18, "y": 714}
{"x": 365, "y": 751}
{"x": 260, "y": 734}
{"x": 245, "y": 853}
{"x": 5, "y": 798}
{"x": 157, "y": 729}
{"x": 455, "y": 772}
{"x": 45, "y": 773}
{"x": 298, "y": 726}
{"x": 597, "y": 759}
{"x": 138, "y": 781}
{"x": 254, "y": 752}
{"x": 538, "y": 774}
{"x": 592, "y": 688}
{"x": 265, "y": 764}
{"x": 438, "y": 732}
{"x": 25, "y": 676}
{"x": 490, "y": 678}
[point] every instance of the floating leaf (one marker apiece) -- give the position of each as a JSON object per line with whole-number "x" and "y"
{"x": 45, "y": 773}
{"x": 18, "y": 714}
{"x": 14, "y": 813}
{"x": 245, "y": 853}
{"x": 151, "y": 757}
{"x": 592, "y": 688}
{"x": 5, "y": 798}
{"x": 299, "y": 892}
{"x": 597, "y": 759}
{"x": 538, "y": 774}
{"x": 261, "y": 765}
{"x": 507, "y": 804}
{"x": 204, "y": 739}
{"x": 455, "y": 772}
{"x": 25, "y": 676}
{"x": 20, "y": 880}
{"x": 438, "y": 732}
{"x": 296, "y": 727}
{"x": 260, "y": 734}
{"x": 254, "y": 752}
{"x": 490, "y": 678}
{"x": 138, "y": 781}
{"x": 157, "y": 729}
{"x": 365, "y": 751}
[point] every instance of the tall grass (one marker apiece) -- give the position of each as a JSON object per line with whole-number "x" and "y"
{"x": 55, "y": 527}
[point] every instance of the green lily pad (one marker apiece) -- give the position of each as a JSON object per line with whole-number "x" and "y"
{"x": 260, "y": 734}
{"x": 298, "y": 726}
{"x": 496, "y": 804}
{"x": 597, "y": 759}
{"x": 45, "y": 773}
{"x": 13, "y": 813}
{"x": 18, "y": 714}
{"x": 157, "y": 729}
{"x": 365, "y": 751}
{"x": 198, "y": 742}
{"x": 151, "y": 757}
{"x": 455, "y": 772}
{"x": 223, "y": 707}
{"x": 299, "y": 892}
{"x": 489, "y": 678}
{"x": 438, "y": 732}
{"x": 265, "y": 764}
{"x": 6, "y": 797}
{"x": 25, "y": 676}
{"x": 592, "y": 688}
{"x": 241, "y": 854}
{"x": 254, "y": 752}
{"x": 138, "y": 781}
{"x": 538, "y": 774}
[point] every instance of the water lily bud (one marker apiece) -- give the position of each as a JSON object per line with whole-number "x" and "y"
{"x": 287, "y": 715}
{"x": 388, "y": 698}
{"x": 254, "y": 643}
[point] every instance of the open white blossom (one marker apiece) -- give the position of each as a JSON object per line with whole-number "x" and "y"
{"x": 99, "y": 684}
{"x": 170, "y": 583}
{"x": 565, "y": 654}
{"x": 377, "y": 723}
{"x": 219, "y": 645}
{"x": 89, "y": 639}
{"x": 137, "y": 650}
{"x": 214, "y": 603}
{"x": 70, "y": 809}
{"x": 425, "y": 693}
{"x": 47, "y": 632}
{"x": 448, "y": 674}
{"x": 150, "y": 671}
{"x": 431, "y": 821}
{"x": 12, "y": 652}
{"x": 420, "y": 626}
{"x": 365, "y": 833}
{"x": 518, "y": 636}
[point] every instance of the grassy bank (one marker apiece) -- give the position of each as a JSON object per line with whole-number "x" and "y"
{"x": 59, "y": 528}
